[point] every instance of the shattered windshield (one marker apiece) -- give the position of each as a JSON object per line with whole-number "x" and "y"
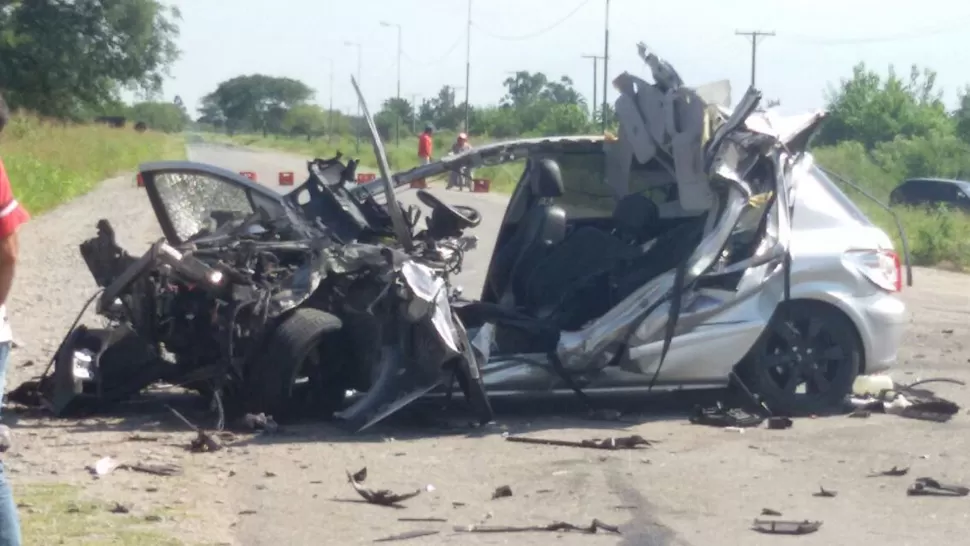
{"x": 195, "y": 202}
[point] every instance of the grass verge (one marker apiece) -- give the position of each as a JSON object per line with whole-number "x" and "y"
{"x": 58, "y": 514}
{"x": 50, "y": 163}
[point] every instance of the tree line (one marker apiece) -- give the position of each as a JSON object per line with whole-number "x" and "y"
{"x": 71, "y": 60}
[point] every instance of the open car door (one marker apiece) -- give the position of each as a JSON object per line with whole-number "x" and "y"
{"x": 195, "y": 200}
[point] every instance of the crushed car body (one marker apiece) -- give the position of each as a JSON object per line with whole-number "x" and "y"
{"x": 699, "y": 247}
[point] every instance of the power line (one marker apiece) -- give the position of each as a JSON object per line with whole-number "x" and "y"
{"x": 952, "y": 26}
{"x": 441, "y": 59}
{"x": 538, "y": 32}
{"x": 754, "y": 35}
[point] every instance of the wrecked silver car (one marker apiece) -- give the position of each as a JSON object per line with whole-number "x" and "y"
{"x": 701, "y": 247}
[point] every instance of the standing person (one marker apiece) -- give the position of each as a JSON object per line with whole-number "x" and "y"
{"x": 425, "y": 145}
{"x": 12, "y": 216}
{"x": 463, "y": 179}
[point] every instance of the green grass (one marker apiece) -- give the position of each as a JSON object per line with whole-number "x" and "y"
{"x": 53, "y": 514}
{"x": 50, "y": 163}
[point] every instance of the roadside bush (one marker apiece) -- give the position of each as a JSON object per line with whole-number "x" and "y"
{"x": 50, "y": 163}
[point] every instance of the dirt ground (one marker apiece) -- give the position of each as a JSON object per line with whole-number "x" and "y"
{"x": 697, "y": 486}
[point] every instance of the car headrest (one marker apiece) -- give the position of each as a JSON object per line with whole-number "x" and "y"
{"x": 547, "y": 179}
{"x": 635, "y": 216}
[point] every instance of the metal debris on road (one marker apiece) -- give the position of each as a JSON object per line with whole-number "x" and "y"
{"x": 612, "y": 443}
{"x": 260, "y": 421}
{"x": 931, "y": 487}
{"x": 559, "y": 526}
{"x": 780, "y": 527}
{"x": 770, "y": 512}
{"x": 361, "y": 475}
{"x": 203, "y": 442}
{"x": 381, "y": 497}
{"x": 719, "y": 416}
{"x": 156, "y": 469}
{"x": 425, "y": 520}
{"x": 501, "y": 492}
{"x": 823, "y": 492}
{"x": 779, "y": 423}
{"x": 408, "y": 535}
{"x": 119, "y": 508}
{"x": 894, "y": 471}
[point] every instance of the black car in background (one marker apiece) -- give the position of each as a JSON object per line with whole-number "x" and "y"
{"x": 932, "y": 191}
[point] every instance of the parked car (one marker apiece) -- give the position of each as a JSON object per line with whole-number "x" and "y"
{"x": 932, "y": 191}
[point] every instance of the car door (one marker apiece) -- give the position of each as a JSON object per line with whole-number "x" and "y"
{"x": 191, "y": 199}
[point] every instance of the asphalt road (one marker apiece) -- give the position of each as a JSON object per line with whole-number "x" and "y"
{"x": 698, "y": 486}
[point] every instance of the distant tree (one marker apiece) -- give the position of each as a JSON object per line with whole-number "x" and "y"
{"x": 395, "y": 113}
{"x": 961, "y": 117}
{"x": 69, "y": 58}
{"x": 870, "y": 109}
{"x": 256, "y": 102}
{"x": 562, "y": 92}
{"x": 160, "y": 116}
{"x": 308, "y": 120}
{"x": 524, "y": 88}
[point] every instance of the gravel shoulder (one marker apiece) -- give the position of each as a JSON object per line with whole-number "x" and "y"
{"x": 698, "y": 486}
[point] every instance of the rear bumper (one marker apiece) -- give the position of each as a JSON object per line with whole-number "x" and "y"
{"x": 881, "y": 321}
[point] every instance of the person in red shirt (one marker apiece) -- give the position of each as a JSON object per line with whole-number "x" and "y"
{"x": 425, "y": 145}
{"x": 12, "y": 216}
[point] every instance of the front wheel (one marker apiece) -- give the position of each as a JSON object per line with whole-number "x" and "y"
{"x": 806, "y": 360}
{"x": 292, "y": 377}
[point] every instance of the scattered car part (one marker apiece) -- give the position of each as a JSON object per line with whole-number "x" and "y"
{"x": 719, "y": 416}
{"x": 779, "y": 423}
{"x": 612, "y": 443}
{"x": 825, "y": 493}
{"x": 559, "y": 526}
{"x": 770, "y": 512}
{"x": 429, "y": 520}
{"x": 408, "y": 535}
{"x": 382, "y": 497}
{"x": 860, "y": 414}
{"x": 932, "y": 487}
{"x": 501, "y": 492}
{"x": 779, "y": 527}
{"x": 894, "y": 472}
{"x": 203, "y": 442}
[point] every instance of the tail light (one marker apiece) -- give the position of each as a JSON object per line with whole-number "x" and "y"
{"x": 882, "y": 267}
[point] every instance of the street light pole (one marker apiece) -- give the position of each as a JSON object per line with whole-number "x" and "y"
{"x": 468, "y": 62}
{"x": 359, "y": 62}
{"x": 606, "y": 63}
{"x": 596, "y": 59}
{"x": 397, "y": 118}
{"x": 330, "y": 110}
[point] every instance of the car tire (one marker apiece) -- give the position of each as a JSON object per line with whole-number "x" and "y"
{"x": 293, "y": 345}
{"x": 807, "y": 344}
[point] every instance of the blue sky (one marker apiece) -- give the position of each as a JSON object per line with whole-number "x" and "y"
{"x": 816, "y": 43}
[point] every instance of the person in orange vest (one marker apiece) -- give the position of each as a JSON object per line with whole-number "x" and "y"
{"x": 425, "y": 145}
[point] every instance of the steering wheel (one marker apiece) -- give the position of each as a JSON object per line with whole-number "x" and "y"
{"x": 464, "y": 217}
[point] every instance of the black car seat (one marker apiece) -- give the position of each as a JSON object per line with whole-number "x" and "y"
{"x": 590, "y": 252}
{"x": 542, "y": 227}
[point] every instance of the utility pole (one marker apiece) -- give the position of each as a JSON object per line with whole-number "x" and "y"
{"x": 468, "y": 62}
{"x": 592, "y": 105}
{"x": 606, "y": 64}
{"x": 359, "y": 120}
{"x": 330, "y": 111}
{"x": 414, "y": 113}
{"x": 397, "y": 120}
{"x": 754, "y": 35}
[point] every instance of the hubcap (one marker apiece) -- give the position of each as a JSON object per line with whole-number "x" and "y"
{"x": 803, "y": 357}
